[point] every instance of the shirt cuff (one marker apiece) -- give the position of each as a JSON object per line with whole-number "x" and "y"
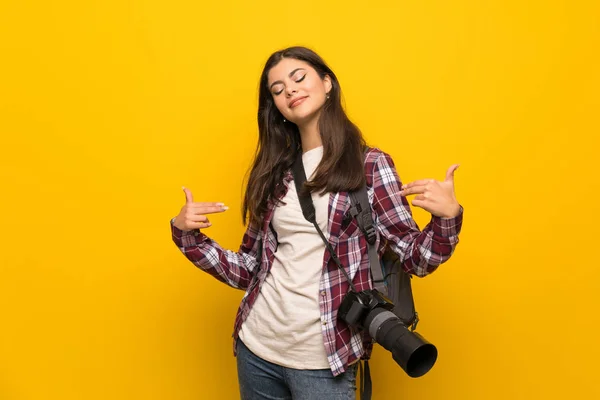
{"x": 447, "y": 227}
{"x": 186, "y": 238}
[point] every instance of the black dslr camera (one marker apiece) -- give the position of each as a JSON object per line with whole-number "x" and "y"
{"x": 371, "y": 310}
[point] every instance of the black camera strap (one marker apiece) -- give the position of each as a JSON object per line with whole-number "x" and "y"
{"x": 360, "y": 210}
{"x": 308, "y": 210}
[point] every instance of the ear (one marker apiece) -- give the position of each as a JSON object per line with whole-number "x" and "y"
{"x": 327, "y": 83}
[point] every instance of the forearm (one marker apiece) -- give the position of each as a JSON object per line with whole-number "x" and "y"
{"x": 422, "y": 252}
{"x": 233, "y": 268}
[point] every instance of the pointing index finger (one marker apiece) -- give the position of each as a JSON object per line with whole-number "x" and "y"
{"x": 207, "y": 208}
{"x": 210, "y": 204}
{"x": 420, "y": 182}
{"x": 413, "y": 190}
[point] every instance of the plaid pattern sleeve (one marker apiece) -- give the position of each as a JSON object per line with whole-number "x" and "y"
{"x": 234, "y": 268}
{"x": 421, "y": 251}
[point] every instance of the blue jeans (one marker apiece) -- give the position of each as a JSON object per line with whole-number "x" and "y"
{"x": 262, "y": 380}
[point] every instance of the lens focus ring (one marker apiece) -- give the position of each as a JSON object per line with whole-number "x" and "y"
{"x": 378, "y": 320}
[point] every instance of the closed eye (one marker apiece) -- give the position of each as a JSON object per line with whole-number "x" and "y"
{"x": 297, "y": 81}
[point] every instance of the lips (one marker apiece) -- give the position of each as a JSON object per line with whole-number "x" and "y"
{"x": 297, "y": 102}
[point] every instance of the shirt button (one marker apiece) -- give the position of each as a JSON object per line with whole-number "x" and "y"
{"x": 324, "y": 322}
{"x": 323, "y": 293}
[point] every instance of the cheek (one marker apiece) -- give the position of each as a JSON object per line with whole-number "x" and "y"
{"x": 316, "y": 91}
{"x": 314, "y": 86}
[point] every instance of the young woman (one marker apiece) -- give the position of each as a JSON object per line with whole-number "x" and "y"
{"x": 287, "y": 338}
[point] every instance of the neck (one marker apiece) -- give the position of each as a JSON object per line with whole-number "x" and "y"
{"x": 310, "y": 136}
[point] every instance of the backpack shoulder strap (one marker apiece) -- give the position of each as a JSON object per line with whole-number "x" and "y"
{"x": 361, "y": 211}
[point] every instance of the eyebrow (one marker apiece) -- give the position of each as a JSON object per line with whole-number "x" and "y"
{"x": 290, "y": 75}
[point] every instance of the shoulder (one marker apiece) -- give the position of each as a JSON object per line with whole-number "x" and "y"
{"x": 380, "y": 170}
{"x": 373, "y": 152}
{"x": 376, "y": 161}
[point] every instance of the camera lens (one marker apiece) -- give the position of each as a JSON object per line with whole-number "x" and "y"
{"x": 410, "y": 350}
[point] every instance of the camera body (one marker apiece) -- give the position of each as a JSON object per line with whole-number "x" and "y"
{"x": 356, "y": 306}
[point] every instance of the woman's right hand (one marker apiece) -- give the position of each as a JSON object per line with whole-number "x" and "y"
{"x": 194, "y": 215}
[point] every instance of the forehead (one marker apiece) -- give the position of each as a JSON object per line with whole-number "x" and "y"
{"x": 284, "y": 67}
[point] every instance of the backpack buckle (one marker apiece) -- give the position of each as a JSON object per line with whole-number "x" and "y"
{"x": 355, "y": 209}
{"x": 369, "y": 229}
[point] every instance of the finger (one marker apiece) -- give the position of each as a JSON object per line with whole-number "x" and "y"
{"x": 419, "y": 203}
{"x": 188, "y": 195}
{"x": 420, "y": 182}
{"x": 198, "y": 225}
{"x": 413, "y": 190}
{"x": 208, "y": 204}
{"x": 450, "y": 172}
{"x": 207, "y": 209}
{"x": 197, "y": 218}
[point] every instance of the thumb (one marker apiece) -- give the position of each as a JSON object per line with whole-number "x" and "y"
{"x": 189, "y": 198}
{"x": 450, "y": 172}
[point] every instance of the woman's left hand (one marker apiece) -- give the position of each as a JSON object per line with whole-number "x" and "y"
{"x": 434, "y": 196}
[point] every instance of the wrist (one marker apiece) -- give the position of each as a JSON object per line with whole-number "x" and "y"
{"x": 452, "y": 212}
{"x": 175, "y": 224}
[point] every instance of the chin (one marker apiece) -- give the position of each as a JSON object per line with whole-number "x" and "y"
{"x": 304, "y": 117}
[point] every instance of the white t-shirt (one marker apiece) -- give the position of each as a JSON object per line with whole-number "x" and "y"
{"x": 284, "y": 325}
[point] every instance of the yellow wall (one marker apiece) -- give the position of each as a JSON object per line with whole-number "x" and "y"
{"x": 108, "y": 107}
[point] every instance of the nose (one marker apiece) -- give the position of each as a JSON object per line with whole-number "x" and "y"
{"x": 290, "y": 91}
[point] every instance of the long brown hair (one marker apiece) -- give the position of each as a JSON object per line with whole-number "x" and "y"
{"x": 341, "y": 168}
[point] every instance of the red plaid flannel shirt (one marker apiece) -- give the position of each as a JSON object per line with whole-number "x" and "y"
{"x": 422, "y": 252}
